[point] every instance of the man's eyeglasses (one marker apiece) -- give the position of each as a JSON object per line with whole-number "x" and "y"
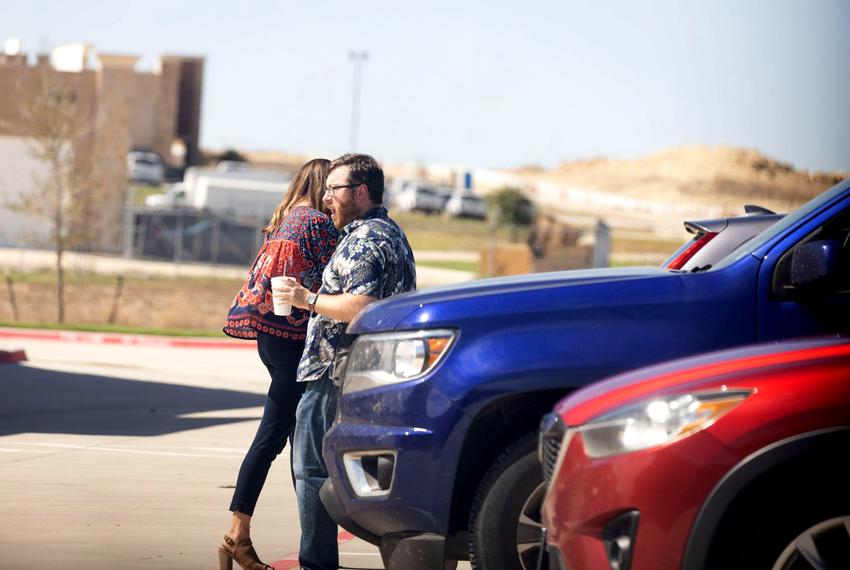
{"x": 331, "y": 190}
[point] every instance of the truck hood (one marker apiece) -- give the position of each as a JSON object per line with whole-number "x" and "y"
{"x": 451, "y": 305}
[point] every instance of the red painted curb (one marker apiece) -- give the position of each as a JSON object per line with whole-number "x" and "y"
{"x": 125, "y": 339}
{"x": 8, "y": 356}
{"x": 290, "y": 561}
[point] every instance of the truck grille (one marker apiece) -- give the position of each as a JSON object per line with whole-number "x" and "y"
{"x": 552, "y": 431}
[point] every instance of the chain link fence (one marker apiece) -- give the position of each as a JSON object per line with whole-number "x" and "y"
{"x": 183, "y": 235}
{"x": 179, "y": 235}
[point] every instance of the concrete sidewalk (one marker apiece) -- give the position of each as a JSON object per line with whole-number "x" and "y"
{"x": 22, "y": 259}
{"x": 20, "y": 335}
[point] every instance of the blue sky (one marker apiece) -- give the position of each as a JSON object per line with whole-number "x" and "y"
{"x": 492, "y": 83}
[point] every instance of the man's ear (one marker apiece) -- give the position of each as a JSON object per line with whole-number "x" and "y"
{"x": 362, "y": 193}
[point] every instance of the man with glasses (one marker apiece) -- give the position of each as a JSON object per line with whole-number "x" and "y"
{"x": 372, "y": 261}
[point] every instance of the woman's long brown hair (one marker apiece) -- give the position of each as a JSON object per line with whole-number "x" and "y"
{"x": 309, "y": 183}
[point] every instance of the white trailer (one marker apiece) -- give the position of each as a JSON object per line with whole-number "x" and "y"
{"x": 236, "y": 197}
{"x": 238, "y": 192}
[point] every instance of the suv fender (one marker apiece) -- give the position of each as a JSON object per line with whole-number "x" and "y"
{"x": 808, "y": 446}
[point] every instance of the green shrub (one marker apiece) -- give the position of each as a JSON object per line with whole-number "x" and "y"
{"x": 508, "y": 205}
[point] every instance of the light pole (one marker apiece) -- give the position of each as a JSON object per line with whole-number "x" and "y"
{"x": 357, "y": 57}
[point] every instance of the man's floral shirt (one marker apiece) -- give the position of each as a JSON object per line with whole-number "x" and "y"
{"x": 373, "y": 258}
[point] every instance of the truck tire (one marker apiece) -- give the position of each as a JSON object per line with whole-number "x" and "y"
{"x": 504, "y": 524}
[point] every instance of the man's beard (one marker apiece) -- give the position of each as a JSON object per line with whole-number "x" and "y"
{"x": 344, "y": 214}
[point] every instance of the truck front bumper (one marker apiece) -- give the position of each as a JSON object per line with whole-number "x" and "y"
{"x": 392, "y": 458}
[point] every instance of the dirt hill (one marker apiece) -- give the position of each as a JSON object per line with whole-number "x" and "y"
{"x": 719, "y": 175}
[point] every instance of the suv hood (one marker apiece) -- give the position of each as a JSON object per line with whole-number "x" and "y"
{"x": 450, "y": 305}
{"x": 692, "y": 374}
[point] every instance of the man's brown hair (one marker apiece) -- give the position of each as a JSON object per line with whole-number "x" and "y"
{"x": 363, "y": 169}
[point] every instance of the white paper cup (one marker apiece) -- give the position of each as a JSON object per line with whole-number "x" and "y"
{"x": 280, "y": 309}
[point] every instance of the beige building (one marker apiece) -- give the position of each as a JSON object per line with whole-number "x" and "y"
{"x": 158, "y": 110}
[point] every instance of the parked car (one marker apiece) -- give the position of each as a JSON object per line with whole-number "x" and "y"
{"x": 465, "y": 205}
{"x": 733, "y": 460}
{"x": 145, "y": 167}
{"x": 420, "y": 198}
{"x": 433, "y": 455}
{"x": 174, "y": 197}
{"x": 714, "y": 239}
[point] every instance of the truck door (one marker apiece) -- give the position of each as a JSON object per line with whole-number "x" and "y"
{"x": 791, "y": 307}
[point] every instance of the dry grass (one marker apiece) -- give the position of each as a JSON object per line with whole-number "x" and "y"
{"x": 197, "y": 304}
{"x": 453, "y": 234}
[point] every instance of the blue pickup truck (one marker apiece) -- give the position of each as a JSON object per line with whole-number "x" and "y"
{"x": 433, "y": 453}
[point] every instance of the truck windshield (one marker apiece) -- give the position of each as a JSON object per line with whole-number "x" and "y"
{"x": 788, "y": 221}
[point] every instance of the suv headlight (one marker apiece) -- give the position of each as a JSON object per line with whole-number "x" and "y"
{"x": 382, "y": 359}
{"x": 656, "y": 422}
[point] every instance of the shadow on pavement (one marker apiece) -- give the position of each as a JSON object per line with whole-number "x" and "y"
{"x": 48, "y": 401}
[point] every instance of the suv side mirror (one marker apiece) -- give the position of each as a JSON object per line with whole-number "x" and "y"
{"x": 815, "y": 264}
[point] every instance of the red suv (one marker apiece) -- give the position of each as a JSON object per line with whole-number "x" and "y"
{"x": 735, "y": 459}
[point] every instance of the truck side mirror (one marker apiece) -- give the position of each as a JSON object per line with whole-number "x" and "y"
{"x": 815, "y": 264}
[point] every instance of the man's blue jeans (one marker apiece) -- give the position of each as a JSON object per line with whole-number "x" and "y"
{"x": 315, "y": 414}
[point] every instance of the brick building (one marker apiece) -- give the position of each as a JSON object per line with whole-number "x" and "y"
{"x": 158, "y": 110}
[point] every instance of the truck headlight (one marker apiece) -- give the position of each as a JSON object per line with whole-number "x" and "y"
{"x": 381, "y": 359}
{"x": 656, "y": 422}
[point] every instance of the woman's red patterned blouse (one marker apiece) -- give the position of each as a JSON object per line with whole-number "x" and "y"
{"x": 303, "y": 243}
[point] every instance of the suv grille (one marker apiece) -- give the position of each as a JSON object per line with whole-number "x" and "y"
{"x": 552, "y": 431}
{"x": 551, "y": 448}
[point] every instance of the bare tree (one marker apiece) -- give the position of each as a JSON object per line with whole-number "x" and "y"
{"x": 77, "y": 144}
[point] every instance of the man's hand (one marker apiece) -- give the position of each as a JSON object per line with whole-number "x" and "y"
{"x": 340, "y": 307}
{"x": 290, "y": 292}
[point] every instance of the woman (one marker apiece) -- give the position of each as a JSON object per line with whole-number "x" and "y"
{"x": 299, "y": 240}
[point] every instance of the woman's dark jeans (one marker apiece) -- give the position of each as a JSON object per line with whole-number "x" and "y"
{"x": 281, "y": 358}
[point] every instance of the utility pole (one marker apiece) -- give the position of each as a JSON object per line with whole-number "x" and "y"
{"x": 357, "y": 58}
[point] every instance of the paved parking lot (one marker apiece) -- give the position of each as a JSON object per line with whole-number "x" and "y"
{"x": 124, "y": 456}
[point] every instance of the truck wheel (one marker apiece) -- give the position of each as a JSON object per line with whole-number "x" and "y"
{"x": 504, "y": 525}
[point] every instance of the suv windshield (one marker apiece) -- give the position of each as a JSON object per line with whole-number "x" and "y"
{"x": 779, "y": 227}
